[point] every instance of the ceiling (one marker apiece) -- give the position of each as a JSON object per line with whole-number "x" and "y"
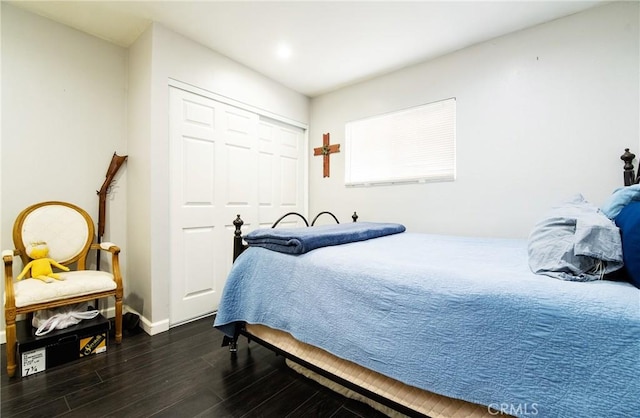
{"x": 330, "y": 44}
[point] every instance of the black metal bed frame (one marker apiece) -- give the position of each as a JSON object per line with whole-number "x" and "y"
{"x": 239, "y": 246}
{"x": 630, "y": 178}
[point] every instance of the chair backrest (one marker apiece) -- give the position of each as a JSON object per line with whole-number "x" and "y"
{"x": 67, "y": 229}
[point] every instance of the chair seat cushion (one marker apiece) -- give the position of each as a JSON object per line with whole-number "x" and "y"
{"x": 77, "y": 283}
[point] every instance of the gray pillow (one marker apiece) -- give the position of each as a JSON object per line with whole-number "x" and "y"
{"x": 576, "y": 242}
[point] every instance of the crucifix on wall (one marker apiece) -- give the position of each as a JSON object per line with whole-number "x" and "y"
{"x": 325, "y": 150}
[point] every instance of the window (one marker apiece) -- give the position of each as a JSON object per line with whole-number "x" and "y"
{"x": 411, "y": 145}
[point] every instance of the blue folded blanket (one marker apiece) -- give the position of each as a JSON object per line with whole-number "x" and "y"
{"x": 302, "y": 240}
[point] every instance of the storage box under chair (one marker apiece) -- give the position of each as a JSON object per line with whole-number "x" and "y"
{"x": 37, "y": 354}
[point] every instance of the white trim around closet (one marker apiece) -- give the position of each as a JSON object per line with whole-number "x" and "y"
{"x": 227, "y": 100}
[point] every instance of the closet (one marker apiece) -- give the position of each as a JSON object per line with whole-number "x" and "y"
{"x": 224, "y": 160}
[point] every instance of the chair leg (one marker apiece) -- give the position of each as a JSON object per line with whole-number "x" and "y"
{"x": 118, "y": 320}
{"x": 11, "y": 343}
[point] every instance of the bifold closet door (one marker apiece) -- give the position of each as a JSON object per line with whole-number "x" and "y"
{"x": 281, "y": 179}
{"x": 213, "y": 166}
{"x": 224, "y": 161}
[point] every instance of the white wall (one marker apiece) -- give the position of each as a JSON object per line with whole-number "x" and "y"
{"x": 64, "y": 101}
{"x": 69, "y": 100}
{"x": 176, "y": 57}
{"x": 139, "y": 190}
{"x": 541, "y": 114}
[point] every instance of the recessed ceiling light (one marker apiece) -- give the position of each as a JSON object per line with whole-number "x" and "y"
{"x": 283, "y": 51}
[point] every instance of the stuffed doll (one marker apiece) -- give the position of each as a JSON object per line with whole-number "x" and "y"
{"x": 40, "y": 264}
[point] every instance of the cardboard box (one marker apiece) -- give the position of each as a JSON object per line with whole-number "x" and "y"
{"x": 37, "y": 354}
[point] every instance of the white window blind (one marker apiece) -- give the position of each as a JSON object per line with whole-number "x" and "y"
{"x": 411, "y": 145}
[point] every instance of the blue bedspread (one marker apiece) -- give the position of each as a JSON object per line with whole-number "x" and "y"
{"x": 302, "y": 240}
{"x": 461, "y": 317}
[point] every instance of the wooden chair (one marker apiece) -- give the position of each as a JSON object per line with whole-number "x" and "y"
{"x": 69, "y": 233}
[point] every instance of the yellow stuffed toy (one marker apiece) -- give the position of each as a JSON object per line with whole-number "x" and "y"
{"x": 40, "y": 264}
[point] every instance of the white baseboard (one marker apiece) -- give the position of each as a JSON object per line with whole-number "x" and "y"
{"x": 152, "y": 328}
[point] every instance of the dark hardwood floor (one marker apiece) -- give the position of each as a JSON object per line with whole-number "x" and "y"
{"x": 180, "y": 373}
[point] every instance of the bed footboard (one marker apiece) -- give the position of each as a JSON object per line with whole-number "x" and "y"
{"x": 239, "y": 246}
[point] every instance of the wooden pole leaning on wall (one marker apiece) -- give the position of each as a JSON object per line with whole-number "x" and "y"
{"x": 114, "y": 166}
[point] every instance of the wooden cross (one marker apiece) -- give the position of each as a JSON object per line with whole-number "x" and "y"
{"x": 325, "y": 150}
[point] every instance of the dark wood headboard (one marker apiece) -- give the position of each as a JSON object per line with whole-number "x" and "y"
{"x": 629, "y": 173}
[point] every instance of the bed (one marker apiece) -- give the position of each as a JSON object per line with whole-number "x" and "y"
{"x": 439, "y": 326}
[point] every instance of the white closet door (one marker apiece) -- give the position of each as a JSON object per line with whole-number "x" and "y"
{"x": 217, "y": 167}
{"x": 213, "y": 169}
{"x": 281, "y": 173}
